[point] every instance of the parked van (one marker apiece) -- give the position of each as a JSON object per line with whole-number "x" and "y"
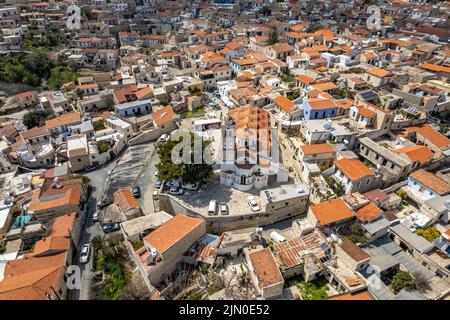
{"x": 212, "y": 207}
{"x": 278, "y": 238}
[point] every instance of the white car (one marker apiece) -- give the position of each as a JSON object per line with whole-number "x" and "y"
{"x": 95, "y": 216}
{"x": 85, "y": 253}
{"x": 190, "y": 186}
{"x": 164, "y": 137}
{"x": 176, "y": 191}
{"x": 253, "y": 204}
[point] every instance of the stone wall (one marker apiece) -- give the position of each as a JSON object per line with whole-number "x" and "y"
{"x": 219, "y": 223}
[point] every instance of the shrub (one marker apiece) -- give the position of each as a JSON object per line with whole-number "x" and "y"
{"x": 429, "y": 233}
{"x": 102, "y": 146}
{"x": 402, "y": 280}
{"x": 98, "y": 125}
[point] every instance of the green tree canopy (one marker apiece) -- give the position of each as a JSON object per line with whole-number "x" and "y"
{"x": 35, "y": 118}
{"x": 273, "y": 35}
{"x": 188, "y": 172}
{"x": 402, "y": 280}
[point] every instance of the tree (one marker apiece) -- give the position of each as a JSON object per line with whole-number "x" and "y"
{"x": 429, "y": 233}
{"x": 273, "y": 36}
{"x": 102, "y": 146}
{"x": 265, "y": 11}
{"x": 98, "y": 125}
{"x": 38, "y": 63}
{"x": 188, "y": 172}
{"x": 97, "y": 243}
{"x": 403, "y": 280}
{"x": 61, "y": 75}
{"x": 35, "y": 118}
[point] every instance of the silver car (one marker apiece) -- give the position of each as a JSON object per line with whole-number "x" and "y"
{"x": 85, "y": 253}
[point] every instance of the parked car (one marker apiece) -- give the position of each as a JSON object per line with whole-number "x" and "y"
{"x": 253, "y": 204}
{"x": 173, "y": 183}
{"x": 212, "y": 207}
{"x": 85, "y": 253}
{"x": 136, "y": 192}
{"x": 156, "y": 173}
{"x": 164, "y": 138}
{"x": 158, "y": 184}
{"x": 190, "y": 186}
{"x": 110, "y": 227}
{"x": 104, "y": 203}
{"x": 224, "y": 209}
{"x": 95, "y": 216}
{"x": 176, "y": 190}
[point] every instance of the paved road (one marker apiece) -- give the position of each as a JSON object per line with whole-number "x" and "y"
{"x": 90, "y": 229}
{"x": 119, "y": 173}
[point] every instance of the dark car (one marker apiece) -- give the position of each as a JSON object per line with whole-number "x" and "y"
{"x": 110, "y": 227}
{"x": 136, "y": 192}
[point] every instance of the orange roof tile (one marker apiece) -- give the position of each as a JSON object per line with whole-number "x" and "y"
{"x": 429, "y": 133}
{"x": 286, "y": 104}
{"x": 332, "y": 211}
{"x": 353, "y": 169}
{"x": 265, "y": 268}
{"x": 318, "y": 148}
{"x": 431, "y": 181}
{"x": 381, "y": 73}
{"x": 65, "y": 119}
{"x": 125, "y": 200}
{"x": 163, "y": 115}
{"x": 417, "y": 153}
{"x": 434, "y": 67}
{"x": 362, "y": 295}
{"x": 354, "y": 251}
{"x": 368, "y": 212}
{"x": 319, "y": 103}
{"x": 173, "y": 231}
{"x": 34, "y": 285}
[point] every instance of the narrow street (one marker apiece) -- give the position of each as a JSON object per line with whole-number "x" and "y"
{"x": 90, "y": 229}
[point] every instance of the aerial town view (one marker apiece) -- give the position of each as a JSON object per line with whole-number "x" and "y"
{"x": 225, "y": 150}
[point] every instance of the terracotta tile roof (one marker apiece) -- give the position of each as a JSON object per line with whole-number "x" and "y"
{"x": 416, "y": 153}
{"x": 368, "y": 212}
{"x": 265, "y": 268}
{"x": 305, "y": 79}
{"x": 33, "y": 263}
{"x": 282, "y": 47}
{"x": 325, "y": 86}
{"x": 125, "y": 200}
{"x": 332, "y": 211}
{"x": 375, "y": 194}
{"x": 63, "y": 225}
{"x": 286, "y": 104}
{"x": 143, "y": 93}
{"x": 434, "y": 67}
{"x": 51, "y": 245}
{"x": 34, "y": 285}
{"x": 362, "y": 295}
{"x": 353, "y": 169}
{"x": 163, "y": 115}
{"x": 65, "y": 119}
{"x": 344, "y": 103}
{"x": 429, "y": 133}
{"x": 381, "y": 73}
{"x": 318, "y": 148}
{"x": 47, "y": 198}
{"x": 431, "y": 181}
{"x": 353, "y": 250}
{"x": 34, "y": 132}
{"x": 173, "y": 231}
{"x": 365, "y": 112}
{"x": 319, "y": 103}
